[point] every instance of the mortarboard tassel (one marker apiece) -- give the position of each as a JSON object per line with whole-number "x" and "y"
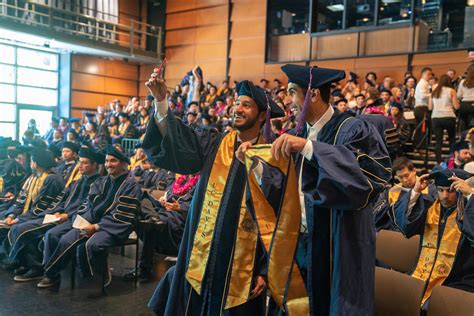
{"x": 304, "y": 110}
{"x": 267, "y": 131}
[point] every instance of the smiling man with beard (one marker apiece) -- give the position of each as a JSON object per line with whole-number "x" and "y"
{"x": 200, "y": 282}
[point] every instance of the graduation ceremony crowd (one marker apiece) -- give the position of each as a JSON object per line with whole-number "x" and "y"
{"x": 283, "y": 229}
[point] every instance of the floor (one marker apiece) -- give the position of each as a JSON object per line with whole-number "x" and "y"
{"x": 121, "y": 298}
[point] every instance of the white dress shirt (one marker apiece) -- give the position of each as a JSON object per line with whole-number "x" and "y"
{"x": 307, "y": 153}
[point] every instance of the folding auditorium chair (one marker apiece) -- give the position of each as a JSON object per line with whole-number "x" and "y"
{"x": 396, "y": 251}
{"x": 449, "y": 301}
{"x": 397, "y": 293}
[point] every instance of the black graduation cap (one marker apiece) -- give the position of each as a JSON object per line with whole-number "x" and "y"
{"x": 125, "y": 115}
{"x": 43, "y": 158}
{"x": 150, "y": 98}
{"x": 20, "y": 149}
{"x": 192, "y": 113}
{"x": 387, "y": 91}
{"x": 336, "y": 93}
{"x": 340, "y": 100}
{"x": 73, "y": 131}
{"x": 470, "y": 49}
{"x": 55, "y": 150}
{"x": 397, "y": 105}
{"x": 55, "y": 119}
{"x": 92, "y": 155}
{"x": 219, "y": 99}
{"x": 460, "y": 146}
{"x": 441, "y": 177}
{"x": 261, "y": 98}
{"x": 263, "y": 101}
{"x": 74, "y": 147}
{"x": 74, "y": 120}
{"x": 310, "y": 77}
{"x": 359, "y": 95}
{"x": 90, "y": 115}
{"x": 120, "y": 155}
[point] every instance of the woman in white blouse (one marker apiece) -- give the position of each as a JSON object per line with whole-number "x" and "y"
{"x": 466, "y": 95}
{"x": 443, "y": 101}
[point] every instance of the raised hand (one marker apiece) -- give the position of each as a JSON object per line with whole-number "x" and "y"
{"x": 421, "y": 183}
{"x": 156, "y": 85}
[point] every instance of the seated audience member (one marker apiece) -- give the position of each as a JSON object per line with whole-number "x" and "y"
{"x": 138, "y": 158}
{"x": 125, "y": 129}
{"x": 142, "y": 121}
{"x": 43, "y": 182}
{"x": 72, "y": 136}
{"x": 24, "y": 237}
{"x": 68, "y": 168}
{"x": 76, "y": 125}
{"x": 111, "y": 210}
{"x": 14, "y": 172}
{"x": 405, "y": 172}
{"x": 58, "y": 138}
{"x": 341, "y": 105}
{"x": 48, "y": 137}
{"x": 446, "y": 253}
{"x": 461, "y": 155}
{"x": 63, "y": 125}
{"x": 167, "y": 221}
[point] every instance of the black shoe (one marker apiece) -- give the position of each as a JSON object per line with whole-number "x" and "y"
{"x": 32, "y": 274}
{"x": 11, "y": 266}
{"x": 47, "y": 282}
{"x": 21, "y": 271}
{"x": 143, "y": 274}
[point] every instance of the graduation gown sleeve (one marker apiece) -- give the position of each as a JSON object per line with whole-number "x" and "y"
{"x": 411, "y": 222}
{"x": 357, "y": 151}
{"x": 183, "y": 149}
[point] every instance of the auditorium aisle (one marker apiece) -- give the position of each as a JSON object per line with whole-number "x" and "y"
{"x": 121, "y": 298}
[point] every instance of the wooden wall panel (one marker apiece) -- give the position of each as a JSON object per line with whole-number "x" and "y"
{"x": 96, "y": 81}
{"x": 386, "y": 41}
{"x": 336, "y": 46}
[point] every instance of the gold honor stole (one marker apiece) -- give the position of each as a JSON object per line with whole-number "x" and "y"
{"x": 33, "y": 190}
{"x": 435, "y": 264}
{"x": 75, "y": 175}
{"x": 210, "y": 209}
{"x": 279, "y": 235}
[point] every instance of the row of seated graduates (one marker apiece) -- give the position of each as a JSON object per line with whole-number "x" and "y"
{"x": 143, "y": 196}
{"x": 439, "y": 209}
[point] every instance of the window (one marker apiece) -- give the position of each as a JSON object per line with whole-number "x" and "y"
{"x": 288, "y": 17}
{"x": 392, "y": 12}
{"x": 329, "y": 15}
{"x": 37, "y": 59}
{"x": 360, "y": 13}
{"x": 29, "y": 82}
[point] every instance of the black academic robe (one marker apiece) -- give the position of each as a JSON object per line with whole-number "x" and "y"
{"x": 105, "y": 196}
{"x": 384, "y": 215}
{"x": 65, "y": 169}
{"x": 31, "y": 228}
{"x": 52, "y": 186}
{"x": 185, "y": 150}
{"x": 462, "y": 271}
{"x": 14, "y": 174}
{"x": 348, "y": 169}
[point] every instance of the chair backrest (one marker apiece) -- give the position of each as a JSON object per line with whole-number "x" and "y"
{"x": 448, "y": 301}
{"x": 397, "y": 293}
{"x": 128, "y": 145}
{"x": 396, "y": 251}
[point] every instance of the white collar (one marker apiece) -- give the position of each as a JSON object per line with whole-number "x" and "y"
{"x": 319, "y": 124}
{"x": 253, "y": 141}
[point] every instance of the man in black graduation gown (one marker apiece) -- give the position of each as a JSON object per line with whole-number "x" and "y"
{"x": 14, "y": 172}
{"x": 165, "y": 220}
{"x": 405, "y": 173}
{"x": 25, "y": 236}
{"x": 446, "y": 254}
{"x": 199, "y": 283}
{"x": 342, "y": 164}
{"x": 43, "y": 183}
{"x": 67, "y": 167}
{"x": 111, "y": 210}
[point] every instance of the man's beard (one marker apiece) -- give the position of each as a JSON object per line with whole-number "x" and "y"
{"x": 248, "y": 124}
